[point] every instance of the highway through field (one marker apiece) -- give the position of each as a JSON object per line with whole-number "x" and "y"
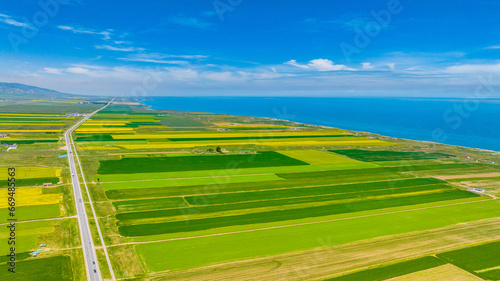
{"x": 89, "y": 252}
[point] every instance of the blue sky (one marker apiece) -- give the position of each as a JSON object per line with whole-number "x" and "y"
{"x": 252, "y": 47}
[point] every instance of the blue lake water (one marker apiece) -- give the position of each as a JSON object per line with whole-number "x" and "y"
{"x": 463, "y": 122}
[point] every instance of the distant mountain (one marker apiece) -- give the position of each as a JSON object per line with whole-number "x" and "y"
{"x": 15, "y": 91}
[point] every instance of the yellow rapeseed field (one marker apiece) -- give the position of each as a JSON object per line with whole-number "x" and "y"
{"x": 189, "y": 134}
{"x": 328, "y": 143}
{"x": 100, "y": 130}
{"x": 30, "y": 172}
{"x": 29, "y": 196}
{"x": 97, "y": 147}
{"x": 168, "y": 145}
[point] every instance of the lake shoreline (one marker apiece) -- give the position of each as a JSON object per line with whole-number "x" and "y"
{"x": 160, "y": 107}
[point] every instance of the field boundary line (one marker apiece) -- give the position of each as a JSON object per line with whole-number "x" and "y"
{"x": 166, "y": 179}
{"x": 49, "y": 219}
{"x": 298, "y": 224}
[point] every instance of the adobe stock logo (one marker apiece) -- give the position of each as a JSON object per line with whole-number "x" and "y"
{"x": 223, "y": 6}
{"x": 372, "y": 29}
{"x": 461, "y": 111}
{"x": 31, "y": 27}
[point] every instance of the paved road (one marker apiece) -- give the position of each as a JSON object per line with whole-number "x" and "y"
{"x": 89, "y": 253}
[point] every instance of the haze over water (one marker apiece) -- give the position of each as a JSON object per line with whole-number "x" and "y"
{"x": 450, "y": 121}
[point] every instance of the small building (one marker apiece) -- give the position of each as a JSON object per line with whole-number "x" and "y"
{"x": 34, "y": 255}
{"x": 63, "y": 156}
{"x": 3, "y": 136}
{"x": 491, "y": 162}
{"x": 222, "y": 129}
{"x": 43, "y": 245}
{"x": 476, "y": 190}
{"x": 47, "y": 184}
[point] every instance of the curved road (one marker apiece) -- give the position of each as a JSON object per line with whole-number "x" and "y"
{"x": 89, "y": 253}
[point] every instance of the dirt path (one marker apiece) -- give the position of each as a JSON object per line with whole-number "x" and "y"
{"x": 61, "y": 218}
{"x": 450, "y": 177}
{"x": 187, "y": 178}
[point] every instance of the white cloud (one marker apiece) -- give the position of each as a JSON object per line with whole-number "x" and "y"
{"x": 10, "y": 21}
{"x": 493, "y": 47}
{"x": 164, "y": 56}
{"x": 391, "y": 65}
{"x": 220, "y": 76}
{"x": 294, "y": 63}
{"x": 78, "y": 70}
{"x": 320, "y": 65}
{"x": 52, "y": 70}
{"x": 327, "y": 65}
{"x": 183, "y": 74}
{"x": 156, "y": 61}
{"x": 119, "y": 49}
{"x": 187, "y": 56}
{"x": 106, "y": 35}
{"x": 367, "y": 65}
{"x": 473, "y": 68}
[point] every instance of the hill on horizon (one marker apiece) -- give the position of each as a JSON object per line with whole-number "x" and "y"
{"x": 16, "y": 91}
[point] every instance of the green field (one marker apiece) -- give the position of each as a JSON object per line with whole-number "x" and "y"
{"x": 188, "y": 181}
{"x": 374, "y": 156}
{"x": 244, "y": 205}
{"x": 315, "y": 157}
{"x": 189, "y": 163}
{"x": 196, "y": 252}
{"x": 290, "y": 214}
{"x": 296, "y": 180}
{"x": 32, "y": 213}
{"x": 229, "y": 172}
{"x": 149, "y": 204}
{"x": 56, "y": 268}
